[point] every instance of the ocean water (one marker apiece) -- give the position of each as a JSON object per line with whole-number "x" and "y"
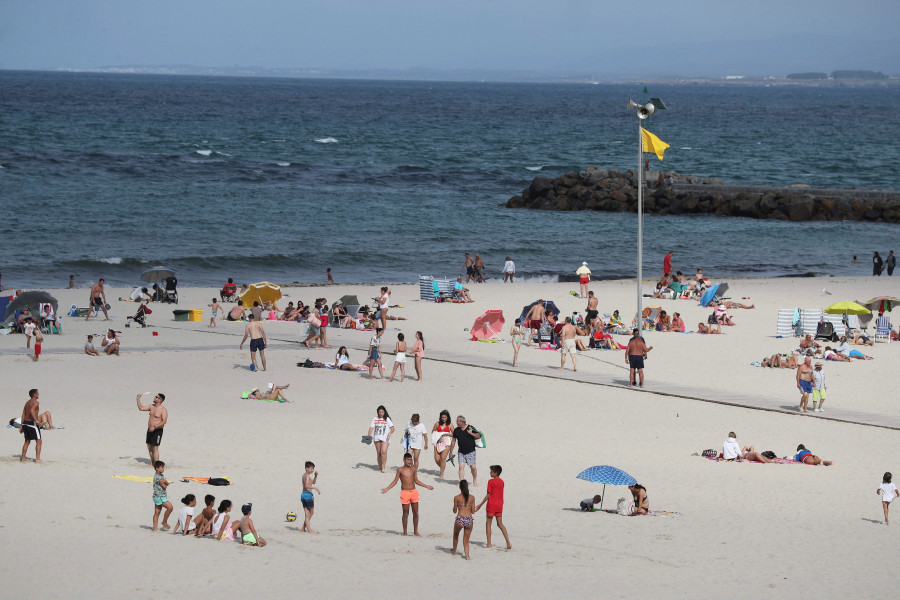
{"x": 278, "y": 179}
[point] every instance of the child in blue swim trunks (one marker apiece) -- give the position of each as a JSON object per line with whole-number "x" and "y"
{"x": 306, "y": 497}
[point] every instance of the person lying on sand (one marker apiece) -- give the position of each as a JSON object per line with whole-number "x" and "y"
{"x": 272, "y": 393}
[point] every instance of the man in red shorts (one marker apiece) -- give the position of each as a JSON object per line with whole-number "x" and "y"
{"x": 534, "y": 319}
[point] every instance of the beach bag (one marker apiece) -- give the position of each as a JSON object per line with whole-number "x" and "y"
{"x": 712, "y": 319}
{"x": 218, "y": 481}
{"x": 314, "y": 320}
{"x": 480, "y": 442}
{"x": 625, "y": 508}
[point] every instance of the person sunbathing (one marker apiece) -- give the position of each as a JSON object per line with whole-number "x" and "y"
{"x": 777, "y": 361}
{"x": 704, "y": 328}
{"x": 273, "y": 393}
{"x": 733, "y": 305}
{"x": 861, "y": 339}
{"x": 806, "y": 457}
{"x": 830, "y": 354}
{"x": 844, "y": 350}
{"x": 748, "y": 453}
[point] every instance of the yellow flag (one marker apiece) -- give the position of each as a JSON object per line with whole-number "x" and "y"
{"x": 653, "y": 144}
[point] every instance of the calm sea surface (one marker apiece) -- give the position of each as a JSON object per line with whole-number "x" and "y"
{"x": 277, "y": 179}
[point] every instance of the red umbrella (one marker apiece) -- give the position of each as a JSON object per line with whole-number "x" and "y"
{"x": 488, "y": 326}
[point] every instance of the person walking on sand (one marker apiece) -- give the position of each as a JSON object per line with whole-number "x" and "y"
{"x": 516, "y": 334}
{"x": 30, "y": 426}
{"x": 374, "y": 358}
{"x": 494, "y": 499}
{"x": 418, "y": 351}
{"x": 590, "y": 311}
{"x": 634, "y": 355}
{"x": 805, "y": 382}
{"x": 466, "y": 437}
{"x": 819, "y": 386}
{"x": 584, "y": 278}
{"x": 215, "y": 308}
{"x": 890, "y": 262}
{"x": 383, "y": 301}
{"x": 464, "y": 507}
{"x": 469, "y": 266}
{"x": 417, "y": 435}
{"x": 409, "y": 495}
{"x": 399, "y": 358}
{"x": 310, "y": 476}
{"x": 441, "y": 438}
{"x": 38, "y": 340}
{"x": 97, "y": 300}
{"x": 667, "y": 263}
{"x": 534, "y": 320}
{"x": 160, "y": 496}
{"x": 479, "y": 268}
{"x": 257, "y": 342}
{"x": 155, "y": 423}
{"x": 888, "y": 492}
{"x": 381, "y": 430}
{"x": 567, "y": 343}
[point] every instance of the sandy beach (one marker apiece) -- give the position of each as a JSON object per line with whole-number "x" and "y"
{"x": 744, "y": 530}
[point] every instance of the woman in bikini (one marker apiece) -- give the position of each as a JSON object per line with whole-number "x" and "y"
{"x": 441, "y": 436}
{"x": 418, "y": 351}
{"x": 517, "y": 333}
{"x": 464, "y": 507}
{"x": 273, "y": 393}
{"x": 808, "y": 458}
{"x": 641, "y": 502}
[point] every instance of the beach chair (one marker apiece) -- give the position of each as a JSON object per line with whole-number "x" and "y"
{"x": 840, "y": 328}
{"x": 785, "y": 325}
{"x": 853, "y": 322}
{"x": 883, "y": 328}
{"x": 809, "y": 320}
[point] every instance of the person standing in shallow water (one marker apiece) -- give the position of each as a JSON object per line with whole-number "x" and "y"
{"x": 877, "y": 264}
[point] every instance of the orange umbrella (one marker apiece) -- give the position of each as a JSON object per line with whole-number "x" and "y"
{"x": 488, "y": 326}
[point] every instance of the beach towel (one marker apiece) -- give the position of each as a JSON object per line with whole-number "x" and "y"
{"x": 333, "y": 368}
{"x": 135, "y": 478}
{"x": 246, "y": 396}
{"x": 652, "y": 513}
{"x": 778, "y": 461}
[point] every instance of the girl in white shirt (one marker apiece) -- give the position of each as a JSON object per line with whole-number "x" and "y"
{"x": 888, "y": 492}
{"x": 186, "y": 515}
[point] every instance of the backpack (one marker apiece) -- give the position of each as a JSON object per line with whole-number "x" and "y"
{"x": 218, "y": 481}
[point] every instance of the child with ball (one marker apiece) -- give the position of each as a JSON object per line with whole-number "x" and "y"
{"x": 306, "y": 497}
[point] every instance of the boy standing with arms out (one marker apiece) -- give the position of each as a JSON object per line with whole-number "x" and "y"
{"x": 409, "y": 479}
{"x": 494, "y": 499}
{"x": 160, "y": 500}
{"x": 306, "y": 497}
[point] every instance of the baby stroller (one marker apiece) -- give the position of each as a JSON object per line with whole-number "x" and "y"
{"x": 825, "y": 331}
{"x": 171, "y": 291}
{"x": 139, "y": 316}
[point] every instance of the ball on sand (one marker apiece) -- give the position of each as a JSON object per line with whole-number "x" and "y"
{"x": 291, "y": 517}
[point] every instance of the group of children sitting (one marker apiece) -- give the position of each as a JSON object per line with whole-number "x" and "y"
{"x": 681, "y": 288}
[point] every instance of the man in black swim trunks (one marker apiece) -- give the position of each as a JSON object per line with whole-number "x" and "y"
{"x": 469, "y": 265}
{"x": 98, "y": 300}
{"x": 257, "y": 336}
{"x": 634, "y": 356}
{"x": 158, "y": 417}
{"x": 30, "y": 426}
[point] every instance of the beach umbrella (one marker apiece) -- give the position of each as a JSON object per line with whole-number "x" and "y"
{"x": 714, "y": 293}
{"x": 348, "y": 300}
{"x": 261, "y": 292}
{"x": 606, "y": 475}
{"x": 881, "y": 303}
{"x": 847, "y": 308}
{"x": 32, "y": 301}
{"x": 488, "y": 326}
{"x": 157, "y": 274}
{"x": 549, "y": 307}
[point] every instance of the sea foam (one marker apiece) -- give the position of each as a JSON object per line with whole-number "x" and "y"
{"x": 204, "y": 152}
{"x": 327, "y": 140}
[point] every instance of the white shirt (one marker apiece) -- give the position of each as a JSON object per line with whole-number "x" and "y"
{"x": 381, "y": 428}
{"x": 385, "y": 300}
{"x": 888, "y": 491}
{"x": 29, "y": 329}
{"x": 186, "y": 516}
{"x": 416, "y": 435}
{"x": 509, "y": 267}
{"x": 730, "y": 449}
{"x": 818, "y": 379}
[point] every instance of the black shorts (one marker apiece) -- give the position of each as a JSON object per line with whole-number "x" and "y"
{"x": 470, "y": 270}
{"x": 636, "y": 361}
{"x": 154, "y": 438}
{"x": 98, "y": 302}
{"x": 257, "y": 345}
{"x": 31, "y": 430}
{"x": 591, "y": 315}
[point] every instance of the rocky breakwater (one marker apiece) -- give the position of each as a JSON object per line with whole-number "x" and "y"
{"x": 616, "y": 191}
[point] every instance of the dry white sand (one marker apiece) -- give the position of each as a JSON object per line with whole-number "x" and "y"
{"x": 746, "y": 530}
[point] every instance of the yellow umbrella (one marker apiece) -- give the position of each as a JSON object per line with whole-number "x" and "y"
{"x": 847, "y": 308}
{"x": 261, "y": 292}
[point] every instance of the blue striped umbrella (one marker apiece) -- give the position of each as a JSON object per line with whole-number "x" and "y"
{"x": 606, "y": 475}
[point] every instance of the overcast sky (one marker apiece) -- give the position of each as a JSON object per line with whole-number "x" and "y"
{"x": 447, "y": 34}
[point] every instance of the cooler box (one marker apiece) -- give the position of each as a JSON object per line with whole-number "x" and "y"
{"x": 195, "y": 314}
{"x": 182, "y": 315}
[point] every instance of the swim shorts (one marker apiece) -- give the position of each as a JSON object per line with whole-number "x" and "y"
{"x": 31, "y": 430}
{"x": 307, "y": 500}
{"x": 160, "y": 501}
{"x": 635, "y": 361}
{"x": 249, "y": 538}
{"x": 154, "y": 438}
{"x": 818, "y": 395}
{"x": 37, "y": 349}
{"x": 584, "y": 280}
{"x": 409, "y": 496}
{"x": 568, "y": 347}
{"x": 257, "y": 345}
{"x": 470, "y": 270}
{"x": 98, "y": 302}
{"x": 467, "y": 459}
{"x": 806, "y": 386}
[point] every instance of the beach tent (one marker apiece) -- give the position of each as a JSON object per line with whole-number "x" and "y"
{"x": 488, "y": 326}
{"x": 549, "y": 307}
{"x": 261, "y": 292}
{"x": 715, "y": 293}
{"x": 32, "y": 301}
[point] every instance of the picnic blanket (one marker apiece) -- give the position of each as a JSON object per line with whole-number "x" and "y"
{"x": 652, "y": 513}
{"x": 780, "y": 461}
